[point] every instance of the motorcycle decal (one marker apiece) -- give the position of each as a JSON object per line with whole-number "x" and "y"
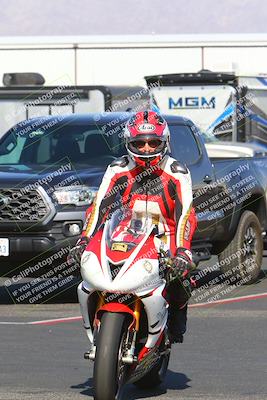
{"x": 132, "y": 258}
{"x": 155, "y": 324}
{"x": 148, "y": 266}
{"x": 119, "y": 247}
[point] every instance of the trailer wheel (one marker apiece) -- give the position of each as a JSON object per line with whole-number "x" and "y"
{"x": 241, "y": 259}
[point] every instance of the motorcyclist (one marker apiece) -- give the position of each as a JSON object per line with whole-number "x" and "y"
{"x": 149, "y": 177}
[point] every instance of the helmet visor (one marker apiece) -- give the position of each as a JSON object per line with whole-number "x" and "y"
{"x": 147, "y": 147}
{"x": 150, "y": 144}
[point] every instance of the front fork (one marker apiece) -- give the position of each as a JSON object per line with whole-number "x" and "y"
{"x": 129, "y": 357}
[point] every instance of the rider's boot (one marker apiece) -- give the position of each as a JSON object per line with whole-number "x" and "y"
{"x": 177, "y": 323}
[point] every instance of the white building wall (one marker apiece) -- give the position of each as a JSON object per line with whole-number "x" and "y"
{"x": 56, "y": 65}
{"x": 120, "y": 60}
{"x": 246, "y": 60}
{"x": 129, "y": 66}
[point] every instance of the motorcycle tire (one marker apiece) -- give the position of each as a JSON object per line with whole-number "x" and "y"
{"x": 156, "y": 375}
{"x": 108, "y": 384}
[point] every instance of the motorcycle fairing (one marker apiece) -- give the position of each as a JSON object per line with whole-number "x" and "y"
{"x": 156, "y": 308}
{"x": 132, "y": 276}
{"x": 138, "y": 275}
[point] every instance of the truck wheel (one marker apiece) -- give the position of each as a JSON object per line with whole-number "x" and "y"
{"x": 109, "y": 372}
{"x": 241, "y": 259}
{"x": 156, "y": 375}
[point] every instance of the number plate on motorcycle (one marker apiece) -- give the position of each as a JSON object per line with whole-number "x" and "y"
{"x": 4, "y": 247}
{"x": 119, "y": 247}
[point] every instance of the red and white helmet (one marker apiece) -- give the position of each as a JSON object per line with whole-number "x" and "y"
{"x": 147, "y": 126}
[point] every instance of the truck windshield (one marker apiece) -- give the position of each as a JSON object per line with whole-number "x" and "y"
{"x": 79, "y": 143}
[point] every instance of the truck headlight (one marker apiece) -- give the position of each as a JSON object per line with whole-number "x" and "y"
{"x": 78, "y": 195}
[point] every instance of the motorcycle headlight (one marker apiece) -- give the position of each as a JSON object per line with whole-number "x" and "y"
{"x": 78, "y": 196}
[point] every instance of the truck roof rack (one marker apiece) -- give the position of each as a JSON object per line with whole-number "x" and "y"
{"x": 203, "y": 76}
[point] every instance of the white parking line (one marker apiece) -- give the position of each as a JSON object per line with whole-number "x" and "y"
{"x": 43, "y": 322}
{"x": 55, "y": 321}
{"x": 79, "y": 318}
{"x": 14, "y": 323}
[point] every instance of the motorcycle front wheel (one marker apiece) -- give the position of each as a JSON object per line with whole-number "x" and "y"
{"x": 109, "y": 372}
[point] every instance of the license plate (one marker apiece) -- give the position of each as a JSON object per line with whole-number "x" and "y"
{"x": 119, "y": 247}
{"x": 4, "y": 247}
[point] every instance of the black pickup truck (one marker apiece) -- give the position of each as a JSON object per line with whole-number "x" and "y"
{"x": 52, "y": 166}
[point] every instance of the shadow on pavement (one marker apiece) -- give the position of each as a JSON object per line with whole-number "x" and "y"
{"x": 173, "y": 381}
{"x": 87, "y": 387}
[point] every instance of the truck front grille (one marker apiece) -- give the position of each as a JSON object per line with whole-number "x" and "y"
{"x": 22, "y": 205}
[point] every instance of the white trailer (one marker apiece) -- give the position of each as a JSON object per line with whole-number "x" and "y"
{"x": 227, "y": 105}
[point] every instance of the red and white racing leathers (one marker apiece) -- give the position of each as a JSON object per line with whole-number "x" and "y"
{"x": 164, "y": 190}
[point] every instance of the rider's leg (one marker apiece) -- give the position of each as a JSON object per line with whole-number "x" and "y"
{"x": 178, "y": 297}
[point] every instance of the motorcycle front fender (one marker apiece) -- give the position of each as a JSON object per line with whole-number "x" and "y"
{"x": 115, "y": 308}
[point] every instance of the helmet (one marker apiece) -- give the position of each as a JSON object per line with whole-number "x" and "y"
{"x": 147, "y": 126}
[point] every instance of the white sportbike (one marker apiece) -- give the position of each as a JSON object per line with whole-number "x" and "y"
{"x": 124, "y": 268}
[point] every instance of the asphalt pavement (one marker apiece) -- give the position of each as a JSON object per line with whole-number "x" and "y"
{"x": 224, "y": 355}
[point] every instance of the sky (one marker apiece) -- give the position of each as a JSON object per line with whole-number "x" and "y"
{"x": 124, "y": 17}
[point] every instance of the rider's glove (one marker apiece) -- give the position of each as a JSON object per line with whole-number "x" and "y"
{"x": 76, "y": 252}
{"x": 182, "y": 264}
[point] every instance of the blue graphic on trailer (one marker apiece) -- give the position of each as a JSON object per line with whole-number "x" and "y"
{"x": 262, "y": 80}
{"x": 155, "y": 108}
{"x": 258, "y": 119}
{"x": 229, "y": 111}
{"x": 226, "y": 113}
{"x": 192, "y": 102}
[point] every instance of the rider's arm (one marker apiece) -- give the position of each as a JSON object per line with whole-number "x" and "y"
{"x": 87, "y": 217}
{"x": 186, "y": 220}
{"x": 98, "y": 212}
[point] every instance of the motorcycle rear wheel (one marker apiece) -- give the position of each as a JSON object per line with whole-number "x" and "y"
{"x": 109, "y": 373}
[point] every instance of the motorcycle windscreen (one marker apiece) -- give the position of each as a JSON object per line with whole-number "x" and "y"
{"x": 125, "y": 231}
